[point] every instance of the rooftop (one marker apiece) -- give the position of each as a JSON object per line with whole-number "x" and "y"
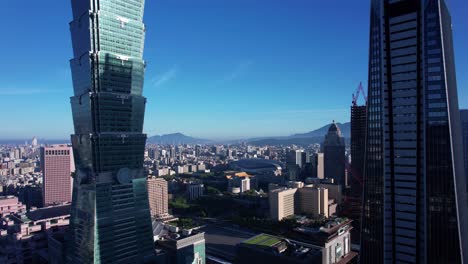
{"x": 49, "y": 212}
{"x": 263, "y": 240}
{"x": 284, "y": 248}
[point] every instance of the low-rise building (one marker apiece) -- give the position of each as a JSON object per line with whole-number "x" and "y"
{"x": 328, "y": 244}
{"x": 334, "y": 238}
{"x": 24, "y": 236}
{"x": 195, "y": 190}
{"x": 239, "y": 180}
{"x": 180, "y": 246}
{"x": 10, "y": 205}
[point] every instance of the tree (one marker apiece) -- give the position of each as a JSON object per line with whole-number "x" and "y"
{"x": 212, "y": 190}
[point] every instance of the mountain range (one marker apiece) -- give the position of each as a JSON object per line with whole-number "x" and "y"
{"x": 315, "y": 136}
{"x": 176, "y": 139}
{"x": 312, "y": 137}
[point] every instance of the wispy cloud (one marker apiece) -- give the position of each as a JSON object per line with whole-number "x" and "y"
{"x": 238, "y": 71}
{"x": 165, "y": 77}
{"x": 25, "y": 91}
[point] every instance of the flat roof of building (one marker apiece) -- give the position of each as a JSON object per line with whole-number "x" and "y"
{"x": 264, "y": 240}
{"x": 49, "y": 212}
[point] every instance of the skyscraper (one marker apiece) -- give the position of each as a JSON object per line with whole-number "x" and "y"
{"x": 110, "y": 217}
{"x": 464, "y": 120}
{"x": 358, "y": 142}
{"x": 57, "y": 165}
{"x": 413, "y": 210}
{"x": 295, "y": 161}
{"x": 353, "y": 195}
{"x": 334, "y": 155}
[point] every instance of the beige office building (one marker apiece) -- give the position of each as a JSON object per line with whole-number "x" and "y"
{"x": 281, "y": 203}
{"x": 334, "y": 191}
{"x": 313, "y": 201}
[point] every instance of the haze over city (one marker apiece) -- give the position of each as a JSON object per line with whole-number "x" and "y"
{"x": 264, "y": 69}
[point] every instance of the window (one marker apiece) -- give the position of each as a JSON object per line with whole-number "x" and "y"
{"x": 338, "y": 251}
{"x": 346, "y": 245}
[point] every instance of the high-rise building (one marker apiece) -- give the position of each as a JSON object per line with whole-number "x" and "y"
{"x": 358, "y": 143}
{"x": 353, "y": 194}
{"x": 110, "y": 215}
{"x": 57, "y": 165}
{"x": 320, "y": 166}
{"x": 413, "y": 207}
{"x": 281, "y": 203}
{"x": 295, "y": 161}
{"x": 334, "y": 155}
{"x": 464, "y": 120}
{"x": 158, "y": 196}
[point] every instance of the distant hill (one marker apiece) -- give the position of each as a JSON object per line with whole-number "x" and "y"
{"x": 175, "y": 139}
{"x": 344, "y": 127}
{"x": 312, "y": 137}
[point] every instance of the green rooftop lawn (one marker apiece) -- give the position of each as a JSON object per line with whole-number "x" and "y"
{"x": 263, "y": 240}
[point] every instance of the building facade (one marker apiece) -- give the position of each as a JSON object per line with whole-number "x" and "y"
{"x": 110, "y": 215}
{"x": 186, "y": 247}
{"x": 57, "y": 165}
{"x": 464, "y": 120}
{"x": 313, "y": 201}
{"x": 281, "y": 203}
{"x": 334, "y": 155}
{"x": 358, "y": 142}
{"x": 158, "y": 196}
{"x": 10, "y": 205}
{"x": 413, "y": 207}
{"x": 195, "y": 190}
{"x": 328, "y": 244}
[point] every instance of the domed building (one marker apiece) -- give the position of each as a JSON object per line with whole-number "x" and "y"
{"x": 334, "y": 155}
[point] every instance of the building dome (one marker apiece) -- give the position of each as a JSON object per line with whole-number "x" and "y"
{"x": 334, "y": 129}
{"x": 255, "y": 165}
{"x": 334, "y": 136}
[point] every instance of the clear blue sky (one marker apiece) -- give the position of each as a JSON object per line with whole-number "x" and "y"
{"x": 216, "y": 69}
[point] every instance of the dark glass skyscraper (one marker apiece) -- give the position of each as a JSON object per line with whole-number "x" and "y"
{"x": 110, "y": 218}
{"x": 464, "y": 120}
{"x": 358, "y": 142}
{"x": 334, "y": 155}
{"x": 413, "y": 204}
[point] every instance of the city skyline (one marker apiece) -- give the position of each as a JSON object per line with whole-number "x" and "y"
{"x": 250, "y": 89}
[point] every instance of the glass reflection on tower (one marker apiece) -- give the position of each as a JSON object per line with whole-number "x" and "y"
{"x": 110, "y": 218}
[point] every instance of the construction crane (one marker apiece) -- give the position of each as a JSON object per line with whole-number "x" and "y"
{"x": 359, "y": 90}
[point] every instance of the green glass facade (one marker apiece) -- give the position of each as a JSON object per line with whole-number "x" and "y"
{"x": 110, "y": 218}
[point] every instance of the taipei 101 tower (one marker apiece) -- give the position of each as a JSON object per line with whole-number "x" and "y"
{"x": 110, "y": 218}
